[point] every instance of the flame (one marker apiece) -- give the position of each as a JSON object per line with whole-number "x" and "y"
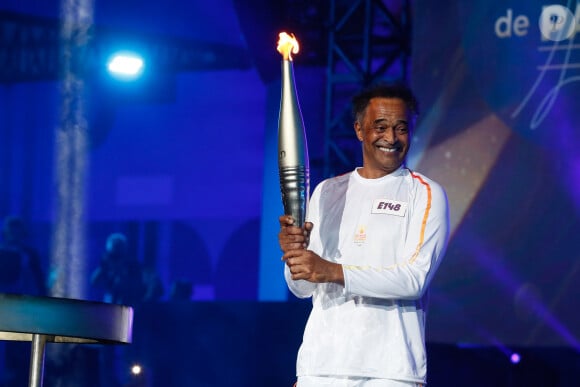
{"x": 287, "y": 45}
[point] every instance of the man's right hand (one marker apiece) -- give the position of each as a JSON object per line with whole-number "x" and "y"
{"x": 293, "y": 237}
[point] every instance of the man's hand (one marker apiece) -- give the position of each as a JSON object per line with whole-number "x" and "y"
{"x": 305, "y": 264}
{"x": 309, "y": 266}
{"x": 292, "y": 237}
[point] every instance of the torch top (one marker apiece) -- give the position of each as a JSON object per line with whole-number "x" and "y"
{"x": 287, "y": 45}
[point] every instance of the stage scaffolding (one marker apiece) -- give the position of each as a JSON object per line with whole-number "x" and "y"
{"x": 369, "y": 41}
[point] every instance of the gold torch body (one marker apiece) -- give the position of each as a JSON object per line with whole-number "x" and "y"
{"x": 293, "y": 163}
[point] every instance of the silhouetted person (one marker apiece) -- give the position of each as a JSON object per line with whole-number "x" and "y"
{"x": 20, "y": 273}
{"x": 122, "y": 278}
{"x": 21, "y": 270}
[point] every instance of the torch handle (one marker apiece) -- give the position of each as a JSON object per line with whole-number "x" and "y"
{"x": 294, "y": 184}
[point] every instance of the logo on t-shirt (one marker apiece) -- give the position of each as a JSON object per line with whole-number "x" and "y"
{"x": 389, "y": 207}
{"x": 361, "y": 236}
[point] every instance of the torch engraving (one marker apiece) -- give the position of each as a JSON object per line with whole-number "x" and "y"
{"x": 293, "y": 164}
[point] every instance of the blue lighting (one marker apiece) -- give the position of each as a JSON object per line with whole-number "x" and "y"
{"x": 126, "y": 65}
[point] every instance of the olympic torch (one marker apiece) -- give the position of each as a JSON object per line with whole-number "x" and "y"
{"x": 293, "y": 163}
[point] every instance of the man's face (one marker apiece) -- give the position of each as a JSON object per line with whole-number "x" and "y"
{"x": 385, "y": 131}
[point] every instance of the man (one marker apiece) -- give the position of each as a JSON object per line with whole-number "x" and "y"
{"x": 372, "y": 242}
{"x": 21, "y": 264}
{"x": 21, "y": 273}
{"x": 122, "y": 278}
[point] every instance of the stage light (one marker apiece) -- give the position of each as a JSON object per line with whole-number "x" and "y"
{"x": 515, "y": 358}
{"x": 136, "y": 369}
{"x": 126, "y": 65}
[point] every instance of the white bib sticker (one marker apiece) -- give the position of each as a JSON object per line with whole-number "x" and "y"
{"x": 389, "y": 207}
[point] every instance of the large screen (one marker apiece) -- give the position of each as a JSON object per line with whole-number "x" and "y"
{"x": 499, "y": 82}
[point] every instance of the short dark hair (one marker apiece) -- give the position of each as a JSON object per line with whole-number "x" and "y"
{"x": 396, "y": 90}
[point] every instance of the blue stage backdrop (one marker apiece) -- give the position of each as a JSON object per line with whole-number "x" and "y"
{"x": 499, "y": 82}
{"x": 175, "y": 160}
{"x": 180, "y": 166}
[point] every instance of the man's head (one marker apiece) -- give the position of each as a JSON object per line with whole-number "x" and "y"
{"x": 384, "y": 118}
{"x": 116, "y": 246}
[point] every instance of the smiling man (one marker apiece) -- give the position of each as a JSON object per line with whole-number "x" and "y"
{"x": 372, "y": 242}
{"x": 383, "y": 129}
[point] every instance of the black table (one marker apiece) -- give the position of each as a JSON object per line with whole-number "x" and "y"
{"x": 61, "y": 320}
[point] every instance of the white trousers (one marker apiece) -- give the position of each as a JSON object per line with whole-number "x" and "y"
{"x": 348, "y": 381}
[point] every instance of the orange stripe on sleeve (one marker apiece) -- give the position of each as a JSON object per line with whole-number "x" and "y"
{"x": 425, "y": 216}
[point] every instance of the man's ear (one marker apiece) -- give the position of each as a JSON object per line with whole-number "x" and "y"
{"x": 358, "y": 130}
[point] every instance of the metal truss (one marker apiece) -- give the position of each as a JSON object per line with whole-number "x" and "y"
{"x": 31, "y": 50}
{"x": 368, "y": 42}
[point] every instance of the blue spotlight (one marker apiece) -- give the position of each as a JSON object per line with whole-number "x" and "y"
{"x": 515, "y": 358}
{"x": 126, "y": 65}
{"x": 136, "y": 370}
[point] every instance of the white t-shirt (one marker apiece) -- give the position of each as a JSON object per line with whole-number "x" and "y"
{"x": 389, "y": 234}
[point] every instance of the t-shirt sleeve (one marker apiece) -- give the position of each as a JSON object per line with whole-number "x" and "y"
{"x": 303, "y": 288}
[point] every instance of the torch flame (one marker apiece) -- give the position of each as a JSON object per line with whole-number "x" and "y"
{"x": 287, "y": 45}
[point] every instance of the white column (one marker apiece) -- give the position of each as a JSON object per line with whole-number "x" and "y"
{"x": 68, "y": 251}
